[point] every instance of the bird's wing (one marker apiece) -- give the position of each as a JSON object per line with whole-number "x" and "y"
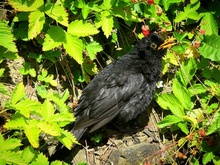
{"x": 109, "y": 100}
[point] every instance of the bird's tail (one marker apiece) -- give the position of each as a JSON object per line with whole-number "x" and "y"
{"x": 61, "y": 152}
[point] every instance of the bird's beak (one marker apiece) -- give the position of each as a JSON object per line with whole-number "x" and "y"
{"x": 167, "y": 43}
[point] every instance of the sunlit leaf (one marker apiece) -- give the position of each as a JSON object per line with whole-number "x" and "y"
{"x": 81, "y": 29}
{"x": 6, "y": 37}
{"x": 26, "y": 5}
{"x": 36, "y": 23}
{"x": 169, "y": 120}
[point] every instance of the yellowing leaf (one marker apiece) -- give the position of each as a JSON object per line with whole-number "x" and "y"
{"x": 6, "y": 37}
{"x": 192, "y": 52}
{"x": 26, "y": 5}
{"x": 36, "y": 23}
{"x": 191, "y": 120}
{"x": 78, "y": 28}
{"x": 58, "y": 13}
{"x": 47, "y": 110}
{"x": 74, "y": 47}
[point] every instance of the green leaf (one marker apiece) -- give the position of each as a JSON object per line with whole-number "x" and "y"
{"x": 74, "y": 47}
{"x": 215, "y": 125}
{"x": 209, "y": 24}
{"x": 169, "y": 120}
{"x": 28, "y": 70}
{"x": 58, "y": 13}
{"x": 47, "y": 110}
{"x": 18, "y": 93}
{"x": 187, "y": 71}
{"x": 196, "y": 89}
{"x": 9, "y": 157}
{"x": 170, "y": 102}
{"x": 207, "y": 157}
{"x": 9, "y": 144}
{"x": 93, "y": 48}
{"x": 4, "y": 90}
{"x": 52, "y": 129}
{"x": 54, "y": 38}
{"x": 41, "y": 159}
{"x": 67, "y": 139}
{"x": 36, "y": 23}
{"x": 210, "y": 47}
{"x": 167, "y": 3}
{"x": 28, "y": 154}
{"x": 189, "y": 12}
{"x": 107, "y": 4}
{"x": 6, "y": 38}
{"x": 18, "y": 123}
{"x": 182, "y": 95}
{"x": 85, "y": 11}
{"x": 107, "y": 23}
{"x": 81, "y": 29}
{"x": 26, "y": 5}
{"x": 183, "y": 126}
{"x": 32, "y": 132}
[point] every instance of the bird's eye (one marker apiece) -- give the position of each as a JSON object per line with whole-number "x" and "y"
{"x": 153, "y": 45}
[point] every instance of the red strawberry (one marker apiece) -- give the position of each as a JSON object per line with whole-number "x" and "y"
{"x": 150, "y": 1}
{"x": 202, "y": 132}
{"x": 197, "y": 44}
{"x": 202, "y": 31}
{"x": 145, "y": 30}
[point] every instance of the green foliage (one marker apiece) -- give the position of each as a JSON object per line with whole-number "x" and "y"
{"x": 76, "y": 37}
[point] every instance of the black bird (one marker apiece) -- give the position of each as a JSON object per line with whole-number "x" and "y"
{"x": 123, "y": 89}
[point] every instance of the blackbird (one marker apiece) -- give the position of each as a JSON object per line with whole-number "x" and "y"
{"x": 123, "y": 89}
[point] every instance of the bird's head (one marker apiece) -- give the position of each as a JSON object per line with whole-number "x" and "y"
{"x": 152, "y": 46}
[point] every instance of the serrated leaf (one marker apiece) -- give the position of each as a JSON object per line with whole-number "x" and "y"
{"x": 107, "y": 4}
{"x": 170, "y": 102}
{"x": 26, "y": 5}
{"x": 10, "y": 157}
{"x": 55, "y": 37}
{"x": 196, "y": 89}
{"x": 36, "y": 23}
{"x": 167, "y": 3}
{"x": 65, "y": 95}
{"x": 6, "y": 37}
{"x": 24, "y": 107}
{"x": 10, "y": 144}
{"x": 47, "y": 110}
{"x": 187, "y": 71}
{"x": 81, "y": 29}
{"x": 209, "y": 24}
{"x": 74, "y": 47}
{"x": 67, "y": 139}
{"x": 61, "y": 105}
{"x": 49, "y": 128}
{"x": 58, "y": 13}
{"x": 33, "y": 132}
{"x": 207, "y": 157}
{"x": 18, "y": 123}
{"x": 18, "y": 93}
{"x": 41, "y": 159}
{"x": 28, "y": 154}
{"x": 189, "y": 12}
{"x": 182, "y": 95}
{"x": 169, "y": 120}
{"x": 215, "y": 126}
{"x": 107, "y": 23}
{"x": 210, "y": 47}
{"x": 93, "y": 48}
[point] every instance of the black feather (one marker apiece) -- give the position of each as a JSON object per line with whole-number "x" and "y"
{"x": 123, "y": 89}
